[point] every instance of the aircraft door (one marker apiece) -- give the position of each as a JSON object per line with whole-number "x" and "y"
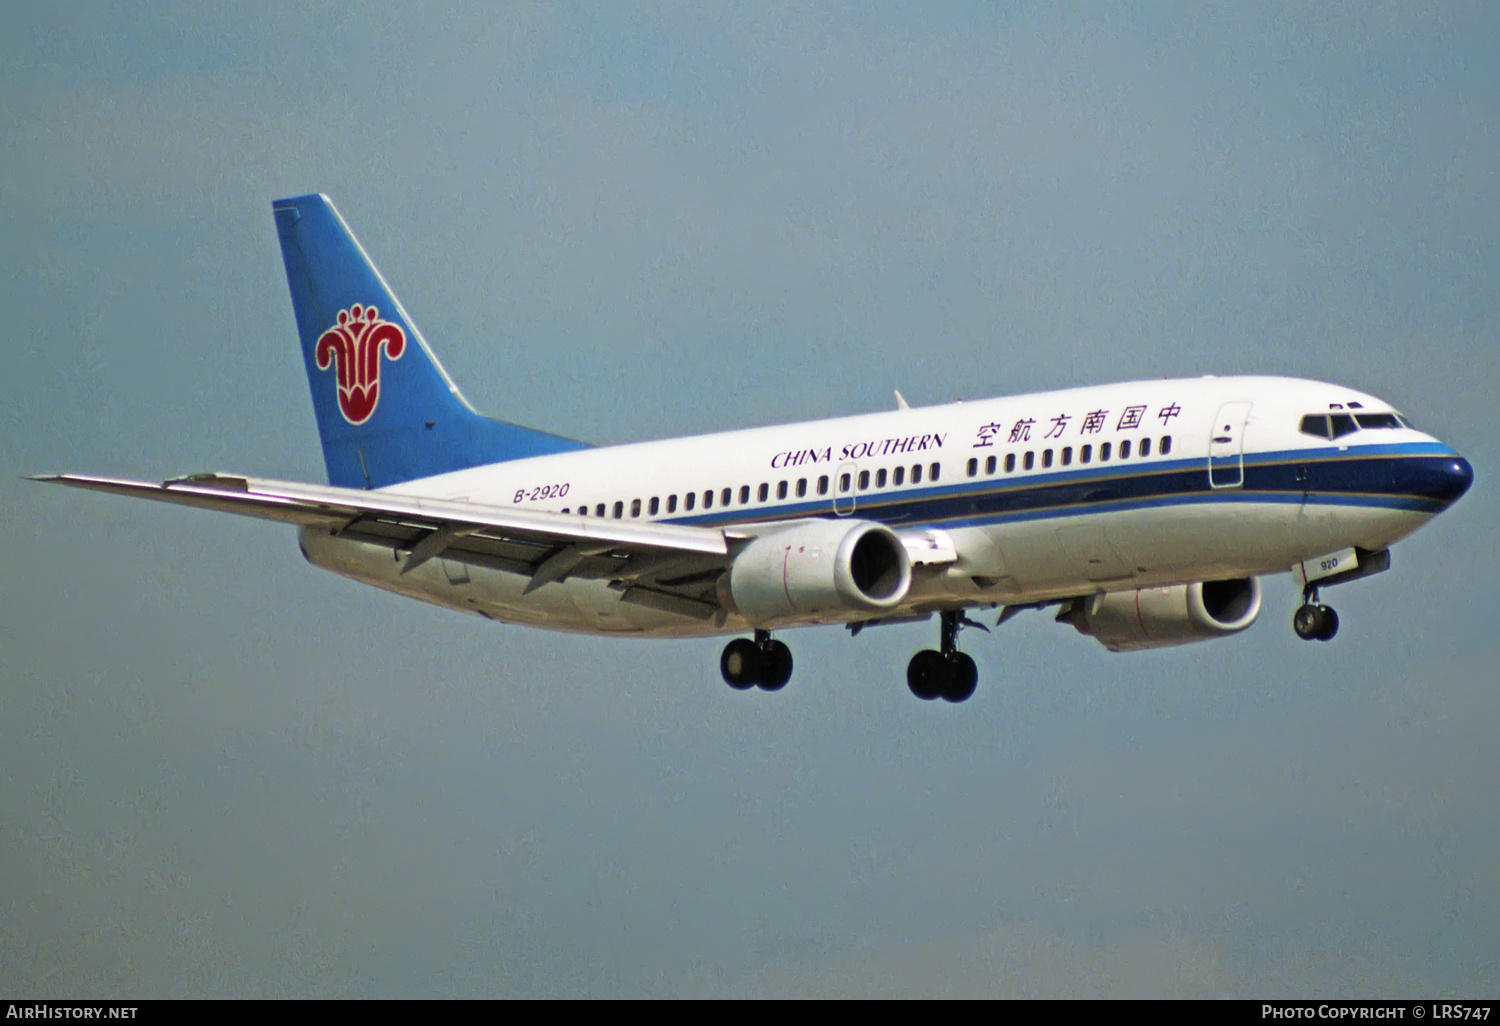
{"x": 843, "y": 488}
{"x": 1226, "y": 445}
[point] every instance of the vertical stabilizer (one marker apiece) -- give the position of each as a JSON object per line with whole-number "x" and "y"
{"x": 387, "y": 411}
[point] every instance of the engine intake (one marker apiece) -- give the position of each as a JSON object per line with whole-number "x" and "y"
{"x": 818, "y": 572}
{"x": 1124, "y": 621}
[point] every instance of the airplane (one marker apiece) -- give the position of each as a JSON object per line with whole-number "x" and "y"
{"x": 1145, "y": 511}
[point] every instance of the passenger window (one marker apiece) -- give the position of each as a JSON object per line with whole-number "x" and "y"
{"x": 566, "y": 509}
{"x": 655, "y": 505}
{"x": 973, "y": 467}
{"x": 864, "y": 480}
{"x": 1376, "y": 420}
{"x": 619, "y": 510}
{"x": 725, "y": 496}
{"x": 1343, "y": 424}
{"x": 599, "y": 510}
{"x": 780, "y": 489}
{"x": 708, "y": 499}
{"x": 671, "y": 504}
{"x": 880, "y": 478}
{"x": 1047, "y": 458}
{"x": 1085, "y": 453}
{"x": 989, "y": 465}
{"x": 916, "y": 474}
{"x": 635, "y": 507}
{"x": 1315, "y": 424}
{"x": 1125, "y": 449}
{"x": 744, "y": 495}
{"x": 1029, "y": 460}
{"x": 801, "y": 487}
{"x": 932, "y": 472}
{"x": 1166, "y": 445}
{"x": 1145, "y": 447}
{"x": 843, "y": 482}
{"x": 823, "y": 485}
{"x": 689, "y": 499}
{"x": 1067, "y": 455}
{"x": 1104, "y": 452}
{"x": 763, "y": 492}
{"x": 898, "y": 476}
{"x": 1010, "y": 462}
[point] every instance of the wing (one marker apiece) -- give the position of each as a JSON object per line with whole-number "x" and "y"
{"x": 665, "y": 566}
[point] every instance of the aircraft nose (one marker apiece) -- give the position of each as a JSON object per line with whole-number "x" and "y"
{"x": 1458, "y": 475}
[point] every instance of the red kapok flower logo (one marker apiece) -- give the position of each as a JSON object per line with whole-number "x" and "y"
{"x": 354, "y": 344}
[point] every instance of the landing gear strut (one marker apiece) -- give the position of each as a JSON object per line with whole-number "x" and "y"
{"x": 1312, "y": 621}
{"x": 948, "y": 673}
{"x": 761, "y": 663}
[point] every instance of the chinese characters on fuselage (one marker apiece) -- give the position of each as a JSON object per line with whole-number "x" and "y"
{"x": 1091, "y": 423}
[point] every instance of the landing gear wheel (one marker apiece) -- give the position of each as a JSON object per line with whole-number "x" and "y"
{"x": 740, "y": 664}
{"x": 963, "y": 678}
{"x": 1330, "y": 625}
{"x": 1314, "y": 622}
{"x": 1308, "y": 621}
{"x": 947, "y": 673}
{"x": 927, "y": 674}
{"x": 775, "y": 666}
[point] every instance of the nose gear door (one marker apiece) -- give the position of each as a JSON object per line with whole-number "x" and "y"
{"x": 1226, "y": 445}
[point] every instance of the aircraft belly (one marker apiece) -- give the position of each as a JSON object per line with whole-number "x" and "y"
{"x": 1046, "y": 559}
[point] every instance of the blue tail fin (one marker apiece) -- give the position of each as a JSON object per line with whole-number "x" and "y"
{"x": 387, "y": 411}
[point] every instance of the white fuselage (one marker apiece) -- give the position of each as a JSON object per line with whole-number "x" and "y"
{"x": 1037, "y": 497}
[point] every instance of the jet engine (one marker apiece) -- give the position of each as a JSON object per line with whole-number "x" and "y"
{"x": 816, "y": 572}
{"x": 1124, "y": 621}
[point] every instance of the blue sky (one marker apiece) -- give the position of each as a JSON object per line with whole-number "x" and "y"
{"x": 225, "y": 773}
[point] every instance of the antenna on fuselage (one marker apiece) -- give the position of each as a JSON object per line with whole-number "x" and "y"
{"x": 901, "y": 403}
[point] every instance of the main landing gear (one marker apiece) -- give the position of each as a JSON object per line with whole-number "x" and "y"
{"x": 1312, "y": 621}
{"x": 761, "y": 663}
{"x": 947, "y": 674}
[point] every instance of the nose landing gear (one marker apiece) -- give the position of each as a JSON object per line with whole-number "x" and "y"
{"x": 947, "y": 674}
{"x": 1313, "y": 621}
{"x": 761, "y": 663}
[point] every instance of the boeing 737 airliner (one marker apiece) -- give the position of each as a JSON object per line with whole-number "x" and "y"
{"x": 1146, "y": 511}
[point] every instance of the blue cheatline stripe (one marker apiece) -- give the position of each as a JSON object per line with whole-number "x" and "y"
{"x": 1412, "y": 476}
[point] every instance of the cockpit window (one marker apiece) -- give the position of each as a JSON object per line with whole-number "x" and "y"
{"x": 1315, "y": 425}
{"x": 1337, "y": 425}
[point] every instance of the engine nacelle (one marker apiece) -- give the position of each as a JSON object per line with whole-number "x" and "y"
{"x": 1124, "y": 621}
{"x": 825, "y": 570}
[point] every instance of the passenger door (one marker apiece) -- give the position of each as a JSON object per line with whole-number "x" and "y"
{"x": 1226, "y": 445}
